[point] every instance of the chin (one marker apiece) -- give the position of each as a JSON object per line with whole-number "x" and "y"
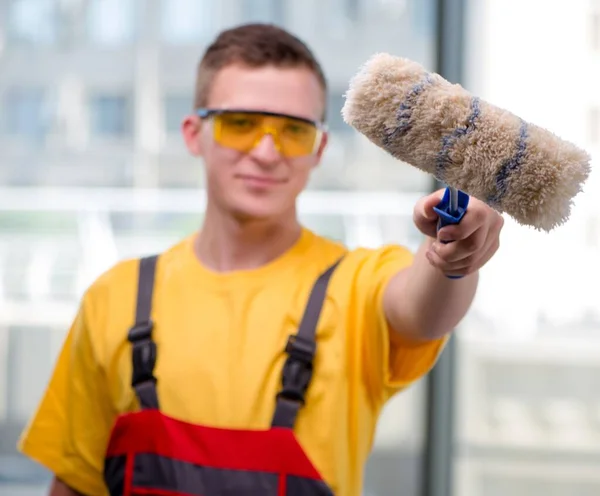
{"x": 259, "y": 209}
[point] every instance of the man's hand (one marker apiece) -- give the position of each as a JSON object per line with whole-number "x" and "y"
{"x": 59, "y": 488}
{"x": 473, "y": 242}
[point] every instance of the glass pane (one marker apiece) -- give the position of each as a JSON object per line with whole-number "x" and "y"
{"x": 594, "y": 26}
{"x": 263, "y": 11}
{"x": 26, "y": 113}
{"x": 188, "y": 21}
{"x": 176, "y": 108}
{"x": 335, "y": 121}
{"x": 32, "y": 21}
{"x": 111, "y": 22}
{"x": 30, "y": 353}
{"x": 529, "y": 353}
{"x": 110, "y": 116}
{"x": 68, "y": 226}
{"x": 594, "y": 125}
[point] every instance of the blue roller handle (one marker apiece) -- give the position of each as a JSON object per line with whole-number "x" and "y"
{"x": 451, "y": 210}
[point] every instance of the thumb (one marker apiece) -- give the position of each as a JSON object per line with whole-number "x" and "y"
{"x": 425, "y": 218}
{"x": 427, "y": 205}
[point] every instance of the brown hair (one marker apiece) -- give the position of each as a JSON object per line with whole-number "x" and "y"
{"x": 253, "y": 45}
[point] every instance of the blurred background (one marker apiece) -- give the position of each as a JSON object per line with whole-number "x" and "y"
{"x": 93, "y": 169}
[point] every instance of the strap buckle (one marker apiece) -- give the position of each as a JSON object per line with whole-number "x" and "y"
{"x": 143, "y": 353}
{"x": 301, "y": 348}
{"x": 141, "y": 331}
{"x": 298, "y": 368}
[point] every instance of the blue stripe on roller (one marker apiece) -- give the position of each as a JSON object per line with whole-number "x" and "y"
{"x": 404, "y": 113}
{"x": 448, "y": 141}
{"x": 509, "y": 166}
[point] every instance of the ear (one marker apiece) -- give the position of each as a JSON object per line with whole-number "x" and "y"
{"x": 191, "y": 128}
{"x": 321, "y": 150}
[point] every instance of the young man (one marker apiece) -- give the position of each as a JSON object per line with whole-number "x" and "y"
{"x": 187, "y": 402}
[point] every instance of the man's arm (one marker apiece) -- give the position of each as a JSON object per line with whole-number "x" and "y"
{"x": 59, "y": 488}
{"x": 69, "y": 430}
{"x": 421, "y": 302}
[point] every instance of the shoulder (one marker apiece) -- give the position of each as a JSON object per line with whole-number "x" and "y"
{"x": 366, "y": 263}
{"x": 122, "y": 278}
{"x": 385, "y": 254}
{"x": 354, "y": 259}
{"x": 360, "y": 267}
{"x": 108, "y": 304}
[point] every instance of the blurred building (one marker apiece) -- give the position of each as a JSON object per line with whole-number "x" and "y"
{"x": 528, "y": 393}
{"x": 92, "y": 93}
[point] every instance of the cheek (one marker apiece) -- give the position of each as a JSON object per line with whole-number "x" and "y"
{"x": 220, "y": 162}
{"x": 302, "y": 167}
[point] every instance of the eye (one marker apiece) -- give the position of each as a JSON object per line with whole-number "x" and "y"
{"x": 239, "y": 122}
{"x": 297, "y": 129}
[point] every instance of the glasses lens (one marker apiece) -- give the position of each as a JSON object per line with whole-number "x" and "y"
{"x": 297, "y": 137}
{"x": 243, "y": 131}
{"x": 238, "y": 130}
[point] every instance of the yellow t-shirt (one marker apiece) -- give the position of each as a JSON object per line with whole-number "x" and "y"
{"x": 221, "y": 339}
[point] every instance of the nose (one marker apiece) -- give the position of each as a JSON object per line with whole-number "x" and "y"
{"x": 266, "y": 151}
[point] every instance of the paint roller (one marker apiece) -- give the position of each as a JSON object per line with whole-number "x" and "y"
{"x": 475, "y": 148}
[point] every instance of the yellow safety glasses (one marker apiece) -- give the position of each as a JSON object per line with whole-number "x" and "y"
{"x": 242, "y": 130}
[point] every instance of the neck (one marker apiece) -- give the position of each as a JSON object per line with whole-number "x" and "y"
{"x": 226, "y": 243}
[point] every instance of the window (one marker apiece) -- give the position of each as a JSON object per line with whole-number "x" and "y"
{"x": 25, "y": 113}
{"x": 110, "y": 116}
{"x": 111, "y": 22}
{"x": 339, "y": 18}
{"x": 263, "y": 11}
{"x": 335, "y": 121}
{"x": 32, "y": 21}
{"x": 352, "y": 10}
{"x": 176, "y": 108}
{"x": 30, "y": 362}
{"x": 595, "y": 30}
{"x": 594, "y": 125}
{"x": 422, "y": 15}
{"x": 188, "y": 21}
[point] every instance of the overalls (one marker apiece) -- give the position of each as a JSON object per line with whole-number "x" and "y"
{"x": 152, "y": 454}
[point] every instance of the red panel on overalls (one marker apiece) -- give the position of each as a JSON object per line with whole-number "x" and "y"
{"x": 152, "y": 454}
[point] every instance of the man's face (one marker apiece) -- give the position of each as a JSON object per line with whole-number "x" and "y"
{"x": 262, "y": 181}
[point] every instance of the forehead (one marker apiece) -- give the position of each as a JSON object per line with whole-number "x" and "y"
{"x": 294, "y": 91}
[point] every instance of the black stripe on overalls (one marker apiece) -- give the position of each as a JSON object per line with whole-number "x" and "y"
{"x": 300, "y": 348}
{"x": 140, "y": 336}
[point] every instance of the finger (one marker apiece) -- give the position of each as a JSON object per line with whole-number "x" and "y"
{"x": 488, "y": 253}
{"x": 446, "y": 266}
{"x": 429, "y": 203}
{"x": 473, "y": 219}
{"x": 468, "y": 265}
{"x": 424, "y": 216}
{"x": 428, "y": 228}
{"x": 462, "y": 249}
{"x": 436, "y": 261}
{"x": 480, "y": 246}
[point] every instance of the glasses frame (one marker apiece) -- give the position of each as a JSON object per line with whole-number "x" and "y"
{"x": 207, "y": 113}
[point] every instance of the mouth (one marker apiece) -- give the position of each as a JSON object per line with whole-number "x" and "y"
{"x": 263, "y": 181}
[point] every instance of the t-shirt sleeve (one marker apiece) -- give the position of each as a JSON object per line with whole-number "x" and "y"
{"x": 68, "y": 433}
{"x": 390, "y": 364}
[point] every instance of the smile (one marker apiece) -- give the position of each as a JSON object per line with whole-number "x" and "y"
{"x": 261, "y": 180}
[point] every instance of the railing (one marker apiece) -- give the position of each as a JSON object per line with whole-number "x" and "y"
{"x": 528, "y": 354}
{"x": 87, "y": 230}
